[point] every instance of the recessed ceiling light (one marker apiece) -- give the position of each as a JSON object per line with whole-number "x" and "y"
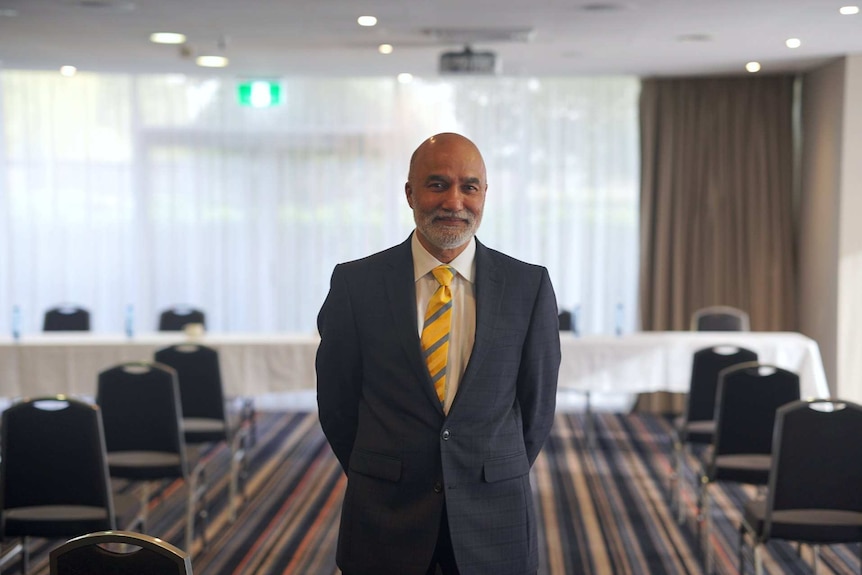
{"x": 385, "y": 48}
{"x": 405, "y": 78}
{"x": 793, "y": 43}
{"x": 753, "y": 67}
{"x": 211, "y": 61}
{"x": 849, "y": 10}
{"x": 68, "y": 71}
{"x": 167, "y": 38}
{"x": 366, "y": 21}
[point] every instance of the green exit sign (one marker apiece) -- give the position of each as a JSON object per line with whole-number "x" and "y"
{"x": 259, "y": 93}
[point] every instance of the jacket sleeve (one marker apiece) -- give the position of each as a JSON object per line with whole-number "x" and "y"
{"x": 540, "y": 368}
{"x": 339, "y": 368}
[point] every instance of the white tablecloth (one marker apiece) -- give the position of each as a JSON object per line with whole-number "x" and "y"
{"x": 251, "y": 364}
{"x": 661, "y": 361}
{"x": 258, "y": 364}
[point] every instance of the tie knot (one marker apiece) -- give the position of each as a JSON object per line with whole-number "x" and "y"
{"x": 444, "y": 274}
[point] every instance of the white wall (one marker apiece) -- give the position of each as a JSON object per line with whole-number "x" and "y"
{"x": 822, "y": 117}
{"x": 849, "y": 360}
{"x": 830, "y": 231}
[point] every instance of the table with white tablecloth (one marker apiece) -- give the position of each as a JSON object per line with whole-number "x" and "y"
{"x": 271, "y": 363}
{"x": 661, "y": 361}
{"x": 67, "y": 362}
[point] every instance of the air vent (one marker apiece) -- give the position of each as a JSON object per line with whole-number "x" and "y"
{"x": 106, "y": 5}
{"x": 479, "y": 35}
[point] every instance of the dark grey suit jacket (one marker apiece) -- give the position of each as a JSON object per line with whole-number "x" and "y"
{"x": 402, "y": 455}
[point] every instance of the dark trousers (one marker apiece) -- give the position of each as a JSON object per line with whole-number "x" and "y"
{"x": 443, "y": 560}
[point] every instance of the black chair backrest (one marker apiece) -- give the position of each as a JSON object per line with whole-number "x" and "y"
{"x": 817, "y": 457}
{"x": 85, "y": 555}
{"x": 176, "y": 318}
{"x": 53, "y": 453}
{"x": 141, "y": 409}
{"x": 67, "y": 318}
{"x": 720, "y": 318}
{"x": 199, "y": 377}
{"x": 749, "y": 396}
{"x": 565, "y": 318}
{"x": 706, "y": 364}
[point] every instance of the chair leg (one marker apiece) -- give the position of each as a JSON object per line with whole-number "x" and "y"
{"x": 705, "y": 517}
{"x": 679, "y": 473}
{"x": 758, "y": 559}
{"x": 197, "y": 496}
{"x": 238, "y": 465}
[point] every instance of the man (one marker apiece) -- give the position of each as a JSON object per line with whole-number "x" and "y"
{"x": 436, "y": 386}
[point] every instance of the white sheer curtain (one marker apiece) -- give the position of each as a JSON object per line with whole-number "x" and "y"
{"x": 149, "y": 191}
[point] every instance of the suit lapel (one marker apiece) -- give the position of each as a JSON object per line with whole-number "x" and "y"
{"x": 489, "y": 286}
{"x": 401, "y": 296}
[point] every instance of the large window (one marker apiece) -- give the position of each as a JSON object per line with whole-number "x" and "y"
{"x": 149, "y": 191}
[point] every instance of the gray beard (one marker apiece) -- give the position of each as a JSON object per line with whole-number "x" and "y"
{"x": 445, "y": 240}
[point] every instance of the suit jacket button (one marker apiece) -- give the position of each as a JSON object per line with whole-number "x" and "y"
{"x": 438, "y": 487}
{"x": 446, "y": 435}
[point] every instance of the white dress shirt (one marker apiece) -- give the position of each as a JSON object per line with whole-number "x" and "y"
{"x": 462, "y": 332}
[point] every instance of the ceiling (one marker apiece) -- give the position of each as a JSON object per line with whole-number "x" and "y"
{"x": 276, "y": 38}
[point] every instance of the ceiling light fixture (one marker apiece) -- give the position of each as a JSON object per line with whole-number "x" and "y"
{"x": 68, "y": 71}
{"x": 167, "y": 38}
{"x": 753, "y": 67}
{"x": 793, "y": 43}
{"x": 366, "y": 21}
{"x": 385, "y": 48}
{"x": 849, "y": 10}
{"x": 211, "y": 61}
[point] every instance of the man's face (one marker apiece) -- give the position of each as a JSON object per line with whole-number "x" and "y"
{"x": 446, "y": 190}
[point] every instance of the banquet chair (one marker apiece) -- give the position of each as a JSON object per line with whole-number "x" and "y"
{"x": 53, "y": 474}
{"x": 813, "y": 493}
{"x": 205, "y": 418}
{"x": 720, "y": 318}
{"x": 66, "y": 318}
{"x": 565, "y": 318}
{"x": 176, "y": 318}
{"x": 696, "y": 426}
{"x": 748, "y": 397}
{"x": 141, "y": 410}
{"x": 118, "y": 553}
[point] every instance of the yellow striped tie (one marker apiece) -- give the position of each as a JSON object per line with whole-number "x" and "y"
{"x": 435, "y": 330}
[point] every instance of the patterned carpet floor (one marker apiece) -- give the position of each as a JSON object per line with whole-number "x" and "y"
{"x": 603, "y": 508}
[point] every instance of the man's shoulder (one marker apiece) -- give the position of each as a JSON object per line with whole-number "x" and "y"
{"x": 506, "y": 261}
{"x": 382, "y": 258}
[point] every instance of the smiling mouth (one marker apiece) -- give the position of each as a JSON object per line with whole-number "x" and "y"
{"x": 450, "y": 221}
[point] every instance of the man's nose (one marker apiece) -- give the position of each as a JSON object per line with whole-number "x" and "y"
{"x": 453, "y": 200}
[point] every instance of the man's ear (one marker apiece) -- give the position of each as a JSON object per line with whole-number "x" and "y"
{"x": 408, "y": 191}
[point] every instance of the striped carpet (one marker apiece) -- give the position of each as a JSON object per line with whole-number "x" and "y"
{"x": 603, "y": 509}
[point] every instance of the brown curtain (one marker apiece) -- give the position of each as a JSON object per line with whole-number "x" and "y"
{"x": 716, "y": 202}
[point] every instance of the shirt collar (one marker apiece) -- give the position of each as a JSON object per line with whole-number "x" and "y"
{"x": 423, "y": 262}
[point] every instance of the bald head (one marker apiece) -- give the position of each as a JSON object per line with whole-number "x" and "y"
{"x": 446, "y": 144}
{"x": 446, "y": 189}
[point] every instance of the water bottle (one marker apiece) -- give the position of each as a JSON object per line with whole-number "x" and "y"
{"x": 16, "y": 322}
{"x": 130, "y": 321}
{"x": 619, "y": 319}
{"x": 576, "y": 320}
